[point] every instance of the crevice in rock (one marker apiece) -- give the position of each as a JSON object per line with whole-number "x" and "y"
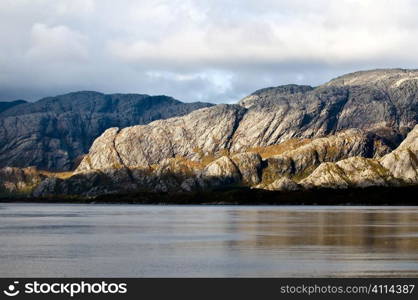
{"x": 240, "y": 115}
{"x": 128, "y": 170}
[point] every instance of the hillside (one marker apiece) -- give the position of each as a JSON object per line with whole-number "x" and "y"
{"x": 356, "y": 131}
{"x": 53, "y": 133}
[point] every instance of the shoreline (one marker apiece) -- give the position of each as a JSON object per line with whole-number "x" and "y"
{"x": 383, "y": 196}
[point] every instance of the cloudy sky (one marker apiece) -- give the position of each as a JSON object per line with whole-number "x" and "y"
{"x": 217, "y": 51}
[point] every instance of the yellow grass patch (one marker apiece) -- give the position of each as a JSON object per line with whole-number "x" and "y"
{"x": 268, "y": 151}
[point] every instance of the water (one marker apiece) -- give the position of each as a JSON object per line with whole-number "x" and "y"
{"x": 199, "y": 241}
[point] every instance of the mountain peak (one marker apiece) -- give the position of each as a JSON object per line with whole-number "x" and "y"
{"x": 9, "y": 104}
{"x": 273, "y": 92}
{"x": 386, "y": 77}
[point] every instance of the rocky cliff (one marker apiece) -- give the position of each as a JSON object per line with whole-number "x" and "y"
{"x": 53, "y": 133}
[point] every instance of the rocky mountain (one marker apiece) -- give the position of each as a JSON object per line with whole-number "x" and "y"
{"x": 381, "y": 101}
{"x": 268, "y": 117}
{"x": 354, "y": 131}
{"x": 293, "y": 166}
{"x": 53, "y": 133}
{"x": 396, "y": 168}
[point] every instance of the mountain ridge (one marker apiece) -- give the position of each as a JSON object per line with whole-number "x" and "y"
{"x": 6, "y": 105}
{"x": 54, "y": 132}
{"x": 357, "y": 130}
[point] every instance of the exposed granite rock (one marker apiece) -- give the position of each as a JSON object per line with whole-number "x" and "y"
{"x": 384, "y": 110}
{"x": 379, "y": 101}
{"x": 222, "y": 171}
{"x": 350, "y": 172}
{"x": 283, "y": 184}
{"x": 398, "y": 167}
{"x": 403, "y": 162}
{"x": 54, "y": 132}
{"x": 199, "y": 133}
{"x": 249, "y": 165}
{"x": 303, "y": 160}
{"x": 273, "y": 92}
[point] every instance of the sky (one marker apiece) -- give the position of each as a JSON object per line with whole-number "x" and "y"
{"x": 196, "y": 50}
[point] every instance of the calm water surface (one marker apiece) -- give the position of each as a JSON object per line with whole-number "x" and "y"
{"x": 200, "y": 241}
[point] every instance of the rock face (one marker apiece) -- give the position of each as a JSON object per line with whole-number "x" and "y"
{"x": 301, "y": 161}
{"x": 283, "y": 184}
{"x": 396, "y": 168}
{"x": 250, "y": 167}
{"x": 54, "y": 132}
{"x": 222, "y": 171}
{"x": 202, "y": 132}
{"x": 274, "y": 93}
{"x": 403, "y": 162}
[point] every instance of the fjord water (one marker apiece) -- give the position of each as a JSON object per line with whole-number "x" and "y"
{"x": 201, "y": 241}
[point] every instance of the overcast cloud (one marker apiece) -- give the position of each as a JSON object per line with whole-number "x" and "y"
{"x": 217, "y": 51}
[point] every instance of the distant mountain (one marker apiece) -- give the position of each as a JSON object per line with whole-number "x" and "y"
{"x": 6, "y": 105}
{"x": 54, "y": 132}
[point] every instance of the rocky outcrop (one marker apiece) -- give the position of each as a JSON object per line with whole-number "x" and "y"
{"x": 202, "y": 132}
{"x": 53, "y": 133}
{"x": 222, "y": 171}
{"x": 267, "y": 94}
{"x": 300, "y": 162}
{"x": 403, "y": 162}
{"x": 396, "y": 168}
{"x": 282, "y": 184}
{"x": 351, "y": 172}
{"x": 380, "y": 101}
{"x": 250, "y": 167}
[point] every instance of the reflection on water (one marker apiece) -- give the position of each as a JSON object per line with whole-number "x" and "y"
{"x": 189, "y": 241}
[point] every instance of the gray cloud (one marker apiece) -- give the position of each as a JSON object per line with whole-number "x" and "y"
{"x": 196, "y": 50}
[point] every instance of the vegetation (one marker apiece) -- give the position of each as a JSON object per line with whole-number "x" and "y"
{"x": 268, "y": 151}
{"x": 243, "y": 196}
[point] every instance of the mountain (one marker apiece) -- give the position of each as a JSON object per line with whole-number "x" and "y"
{"x": 53, "y": 133}
{"x": 6, "y": 105}
{"x": 269, "y": 117}
{"x": 380, "y": 101}
{"x": 356, "y": 130}
{"x": 321, "y": 162}
{"x": 396, "y": 168}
